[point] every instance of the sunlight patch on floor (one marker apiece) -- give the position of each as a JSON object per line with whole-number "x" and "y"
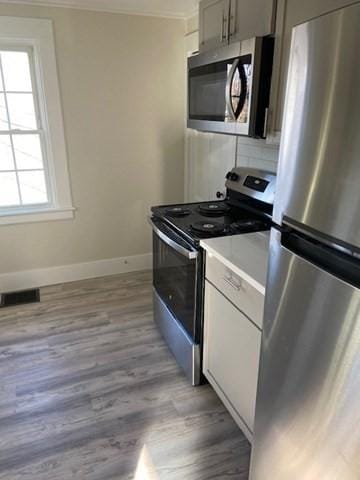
{"x": 145, "y": 469}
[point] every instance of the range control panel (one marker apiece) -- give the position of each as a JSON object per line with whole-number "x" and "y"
{"x": 258, "y": 184}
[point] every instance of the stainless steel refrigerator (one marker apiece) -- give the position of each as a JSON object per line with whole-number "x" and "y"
{"x": 307, "y": 424}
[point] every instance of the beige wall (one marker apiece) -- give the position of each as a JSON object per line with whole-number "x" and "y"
{"x": 192, "y": 24}
{"x": 123, "y": 103}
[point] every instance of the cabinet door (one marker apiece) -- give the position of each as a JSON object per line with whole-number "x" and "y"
{"x": 214, "y": 23}
{"x": 251, "y": 18}
{"x": 231, "y": 356}
{"x": 289, "y": 14}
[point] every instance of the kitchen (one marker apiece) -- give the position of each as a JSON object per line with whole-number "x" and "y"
{"x": 221, "y": 340}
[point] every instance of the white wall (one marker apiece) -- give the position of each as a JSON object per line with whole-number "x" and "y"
{"x": 123, "y": 109}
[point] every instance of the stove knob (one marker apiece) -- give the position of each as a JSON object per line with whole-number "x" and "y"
{"x": 234, "y": 177}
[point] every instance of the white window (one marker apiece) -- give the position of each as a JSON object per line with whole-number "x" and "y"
{"x": 34, "y": 182}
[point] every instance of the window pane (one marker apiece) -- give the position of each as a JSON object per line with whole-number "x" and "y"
{"x": 28, "y": 151}
{"x": 3, "y": 115}
{"x": 1, "y": 84}
{"x": 22, "y": 111}
{"x": 16, "y": 70}
{"x": 33, "y": 187}
{"x": 6, "y": 156}
{"x": 9, "y": 195}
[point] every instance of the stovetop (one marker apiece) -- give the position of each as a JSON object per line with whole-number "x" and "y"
{"x": 196, "y": 221}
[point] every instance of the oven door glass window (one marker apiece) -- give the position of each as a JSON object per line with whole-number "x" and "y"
{"x": 175, "y": 283}
{"x": 220, "y": 92}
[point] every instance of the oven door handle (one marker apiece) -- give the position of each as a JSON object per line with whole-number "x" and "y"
{"x": 190, "y": 254}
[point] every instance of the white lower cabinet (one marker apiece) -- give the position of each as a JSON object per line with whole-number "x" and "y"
{"x": 231, "y": 356}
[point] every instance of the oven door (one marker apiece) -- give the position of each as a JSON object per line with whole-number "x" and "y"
{"x": 219, "y": 92}
{"x": 175, "y": 276}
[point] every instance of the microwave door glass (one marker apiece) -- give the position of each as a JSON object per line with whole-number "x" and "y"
{"x": 219, "y": 92}
{"x": 207, "y": 86}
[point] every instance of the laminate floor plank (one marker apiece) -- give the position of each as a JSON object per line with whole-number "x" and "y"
{"x": 89, "y": 391}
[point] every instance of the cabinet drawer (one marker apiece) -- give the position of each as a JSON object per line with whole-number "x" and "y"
{"x": 231, "y": 357}
{"x": 247, "y": 298}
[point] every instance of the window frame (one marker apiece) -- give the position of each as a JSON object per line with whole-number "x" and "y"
{"x": 39, "y": 131}
{"x": 35, "y": 36}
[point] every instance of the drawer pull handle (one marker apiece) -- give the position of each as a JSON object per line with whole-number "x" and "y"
{"x": 230, "y": 281}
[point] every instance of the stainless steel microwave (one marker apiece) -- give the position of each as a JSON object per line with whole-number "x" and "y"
{"x": 229, "y": 88}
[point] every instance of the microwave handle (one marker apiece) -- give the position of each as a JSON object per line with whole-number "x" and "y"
{"x": 229, "y": 84}
{"x": 228, "y": 91}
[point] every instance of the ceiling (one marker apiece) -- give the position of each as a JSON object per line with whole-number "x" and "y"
{"x": 163, "y": 8}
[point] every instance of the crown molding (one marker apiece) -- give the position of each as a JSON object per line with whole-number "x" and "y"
{"x": 192, "y": 13}
{"x": 103, "y": 6}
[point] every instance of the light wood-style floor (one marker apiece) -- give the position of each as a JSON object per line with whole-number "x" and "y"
{"x": 88, "y": 390}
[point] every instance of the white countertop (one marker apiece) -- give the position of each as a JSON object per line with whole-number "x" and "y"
{"x": 245, "y": 254}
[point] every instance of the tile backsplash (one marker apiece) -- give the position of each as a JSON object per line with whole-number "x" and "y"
{"x": 257, "y": 154}
{"x": 209, "y": 156}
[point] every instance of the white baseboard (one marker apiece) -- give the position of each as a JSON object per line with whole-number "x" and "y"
{"x": 71, "y": 273}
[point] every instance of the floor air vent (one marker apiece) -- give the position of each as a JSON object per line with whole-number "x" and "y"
{"x": 19, "y": 298}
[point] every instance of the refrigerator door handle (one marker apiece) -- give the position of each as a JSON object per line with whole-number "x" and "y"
{"x": 341, "y": 265}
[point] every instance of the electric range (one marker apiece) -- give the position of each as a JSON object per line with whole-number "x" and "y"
{"x": 196, "y": 221}
{"x": 178, "y": 259}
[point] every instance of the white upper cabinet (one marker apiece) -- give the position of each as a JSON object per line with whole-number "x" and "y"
{"x": 214, "y": 23}
{"x": 290, "y": 13}
{"x": 251, "y": 18}
{"x": 226, "y": 21}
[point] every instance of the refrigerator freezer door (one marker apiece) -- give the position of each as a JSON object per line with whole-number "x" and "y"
{"x": 307, "y": 422}
{"x": 319, "y": 170}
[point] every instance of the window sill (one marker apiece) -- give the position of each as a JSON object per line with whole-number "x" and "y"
{"x": 30, "y": 216}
